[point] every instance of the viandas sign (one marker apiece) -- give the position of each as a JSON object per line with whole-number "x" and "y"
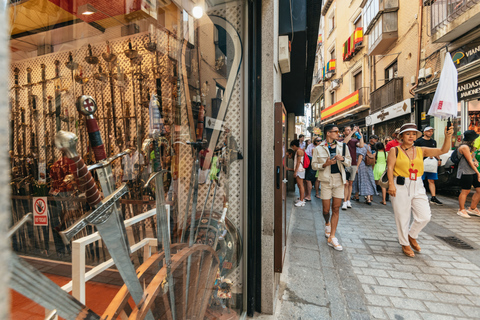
{"x": 466, "y": 54}
{"x": 469, "y": 89}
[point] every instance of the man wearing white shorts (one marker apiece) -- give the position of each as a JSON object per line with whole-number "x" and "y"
{"x": 331, "y": 158}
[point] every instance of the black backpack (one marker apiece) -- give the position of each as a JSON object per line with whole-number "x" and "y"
{"x": 454, "y": 159}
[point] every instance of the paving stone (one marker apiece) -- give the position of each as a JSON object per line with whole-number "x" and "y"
{"x": 420, "y": 285}
{"x": 473, "y": 312}
{"x": 406, "y": 268}
{"x": 453, "y": 298}
{"x": 355, "y": 315}
{"x": 410, "y": 304}
{"x": 374, "y": 272}
{"x": 398, "y": 314}
{"x": 452, "y": 288}
{"x": 366, "y": 279}
{"x": 391, "y": 282}
{"x": 377, "y": 312}
{"x": 462, "y": 273}
{"x": 432, "y": 278}
{"x": 305, "y": 258}
{"x": 308, "y": 287}
{"x": 466, "y": 266}
{"x": 436, "y": 316}
{"x": 386, "y": 291}
{"x": 378, "y": 300}
{"x": 293, "y": 310}
{"x": 442, "y": 307}
{"x": 419, "y": 294}
{"x": 401, "y": 275}
{"x": 460, "y": 280}
{"x": 359, "y": 263}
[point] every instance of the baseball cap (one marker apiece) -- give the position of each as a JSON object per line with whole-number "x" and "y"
{"x": 428, "y": 128}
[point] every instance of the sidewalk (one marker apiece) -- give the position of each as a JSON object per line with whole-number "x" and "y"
{"x": 371, "y": 278}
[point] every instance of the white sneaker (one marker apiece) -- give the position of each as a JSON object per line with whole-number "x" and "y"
{"x": 474, "y": 212}
{"x": 334, "y": 244}
{"x": 300, "y": 204}
{"x": 328, "y": 229}
{"x": 349, "y": 204}
{"x": 344, "y": 206}
{"x": 463, "y": 213}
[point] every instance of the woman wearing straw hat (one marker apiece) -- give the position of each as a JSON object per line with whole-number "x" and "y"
{"x": 405, "y": 186}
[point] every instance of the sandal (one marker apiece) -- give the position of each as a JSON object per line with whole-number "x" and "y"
{"x": 318, "y": 197}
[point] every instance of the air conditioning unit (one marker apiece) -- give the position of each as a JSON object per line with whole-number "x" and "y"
{"x": 283, "y": 54}
{"x": 412, "y": 80}
{"x": 328, "y": 76}
{"x": 428, "y": 73}
{"x": 421, "y": 74}
{"x": 334, "y": 85}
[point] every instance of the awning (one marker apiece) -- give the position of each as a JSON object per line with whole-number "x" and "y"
{"x": 346, "y": 114}
{"x": 347, "y": 102}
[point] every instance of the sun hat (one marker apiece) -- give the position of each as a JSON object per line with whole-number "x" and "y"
{"x": 470, "y": 135}
{"x": 428, "y": 128}
{"x": 396, "y": 132}
{"x": 410, "y": 127}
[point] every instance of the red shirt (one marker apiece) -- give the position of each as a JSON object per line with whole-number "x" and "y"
{"x": 392, "y": 144}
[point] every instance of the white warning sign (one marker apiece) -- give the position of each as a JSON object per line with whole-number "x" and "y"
{"x": 40, "y": 211}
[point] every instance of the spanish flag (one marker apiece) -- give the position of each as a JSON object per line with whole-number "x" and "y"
{"x": 319, "y": 41}
{"x": 331, "y": 65}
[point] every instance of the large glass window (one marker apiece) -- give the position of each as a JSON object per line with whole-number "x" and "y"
{"x": 149, "y": 96}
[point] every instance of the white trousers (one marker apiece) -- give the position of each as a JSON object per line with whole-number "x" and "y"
{"x": 411, "y": 198}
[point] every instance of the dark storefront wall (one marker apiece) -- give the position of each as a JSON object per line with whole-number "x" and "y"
{"x": 356, "y": 120}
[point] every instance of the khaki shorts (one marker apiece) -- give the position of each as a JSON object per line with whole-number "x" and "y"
{"x": 353, "y": 172}
{"x": 332, "y": 189}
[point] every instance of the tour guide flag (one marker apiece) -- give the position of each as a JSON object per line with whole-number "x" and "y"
{"x": 444, "y": 104}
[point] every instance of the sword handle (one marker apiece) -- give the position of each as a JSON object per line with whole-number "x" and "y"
{"x": 85, "y": 181}
{"x": 68, "y": 234}
{"x": 200, "y": 123}
{"x": 95, "y": 138}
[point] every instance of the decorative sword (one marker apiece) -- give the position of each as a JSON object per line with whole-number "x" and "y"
{"x": 105, "y": 216}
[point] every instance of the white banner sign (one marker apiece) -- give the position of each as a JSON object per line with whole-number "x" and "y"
{"x": 40, "y": 211}
{"x": 397, "y": 110}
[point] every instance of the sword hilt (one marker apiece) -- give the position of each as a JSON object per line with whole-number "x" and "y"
{"x": 101, "y": 213}
{"x": 26, "y": 218}
{"x": 152, "y": 176}
{"x": 67, "y": 142}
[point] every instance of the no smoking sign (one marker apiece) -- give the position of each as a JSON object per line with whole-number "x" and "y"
{"x": 40, "y": 211}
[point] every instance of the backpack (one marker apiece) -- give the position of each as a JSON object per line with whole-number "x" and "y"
{"x": 306, "y": 160}
{"x": 454, "y": 159}
{"x": 370, "y": 158}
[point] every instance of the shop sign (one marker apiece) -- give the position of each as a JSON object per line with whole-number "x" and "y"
{"x": 397, "y": 110}
{"x": 349, "y": 101}
{"x": 212, "y": 123}
{"x": 466, "y": 54}
{"x": 40, "y": 211}
{"x": 469, "y": 89}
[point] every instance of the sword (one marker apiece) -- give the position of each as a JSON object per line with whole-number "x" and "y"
{"x": 104, "y": 217}
{"x": 31, "y": 283}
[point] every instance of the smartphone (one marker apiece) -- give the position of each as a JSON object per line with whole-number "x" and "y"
{"x": 400, "y": 181}
{"x": 332, "y": 155}
{"x": 449, "y": 123}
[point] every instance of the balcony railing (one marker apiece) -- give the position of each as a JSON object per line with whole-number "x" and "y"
{"x": 445, "y": 11}
{"x": 388, "y": 94}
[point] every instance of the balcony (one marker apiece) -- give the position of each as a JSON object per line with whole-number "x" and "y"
{"x": 452, "y": 18}
{"x": 353, "y": 44}
{"x": 387, "y": 95}
{"x": 381, "y": 24}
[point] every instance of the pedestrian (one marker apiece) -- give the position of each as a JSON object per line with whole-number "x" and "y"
{"x": 380, "y": 166}
{"x": 330, "y": 159}
{"x": 431, "y": 177}
{"x": 307, "y": 143}
{"x": 366, "y": 180}
{"x": 353, "y": 139}
{"x": 395, "y": 142}
{"x": 301, "y": 138}
{"x": 468, "y": 174}
{"x": 299, "y": 170}
{"x": 387, "y": 140}
{"x": 310, "y": 173}
{"x": 372, "y": 141}
{"x": 405, "y": 167}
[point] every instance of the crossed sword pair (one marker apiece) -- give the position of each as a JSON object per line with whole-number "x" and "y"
{"x": 106, "y": 216}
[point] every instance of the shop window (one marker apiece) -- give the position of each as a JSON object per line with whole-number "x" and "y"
{"x": 332, "y": 97}
{"x": 165, "y": 104}
{"x": 358, "y": 23}
{"x": 333, "y": 55}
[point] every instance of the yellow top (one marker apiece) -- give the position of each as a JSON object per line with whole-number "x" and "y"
{"x": 403, "y": 163}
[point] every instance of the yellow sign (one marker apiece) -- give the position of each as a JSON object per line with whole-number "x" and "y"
{"x": 423, "y": 117}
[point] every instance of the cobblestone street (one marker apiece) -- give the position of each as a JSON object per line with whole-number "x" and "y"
{"x": 372, "y": 278}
